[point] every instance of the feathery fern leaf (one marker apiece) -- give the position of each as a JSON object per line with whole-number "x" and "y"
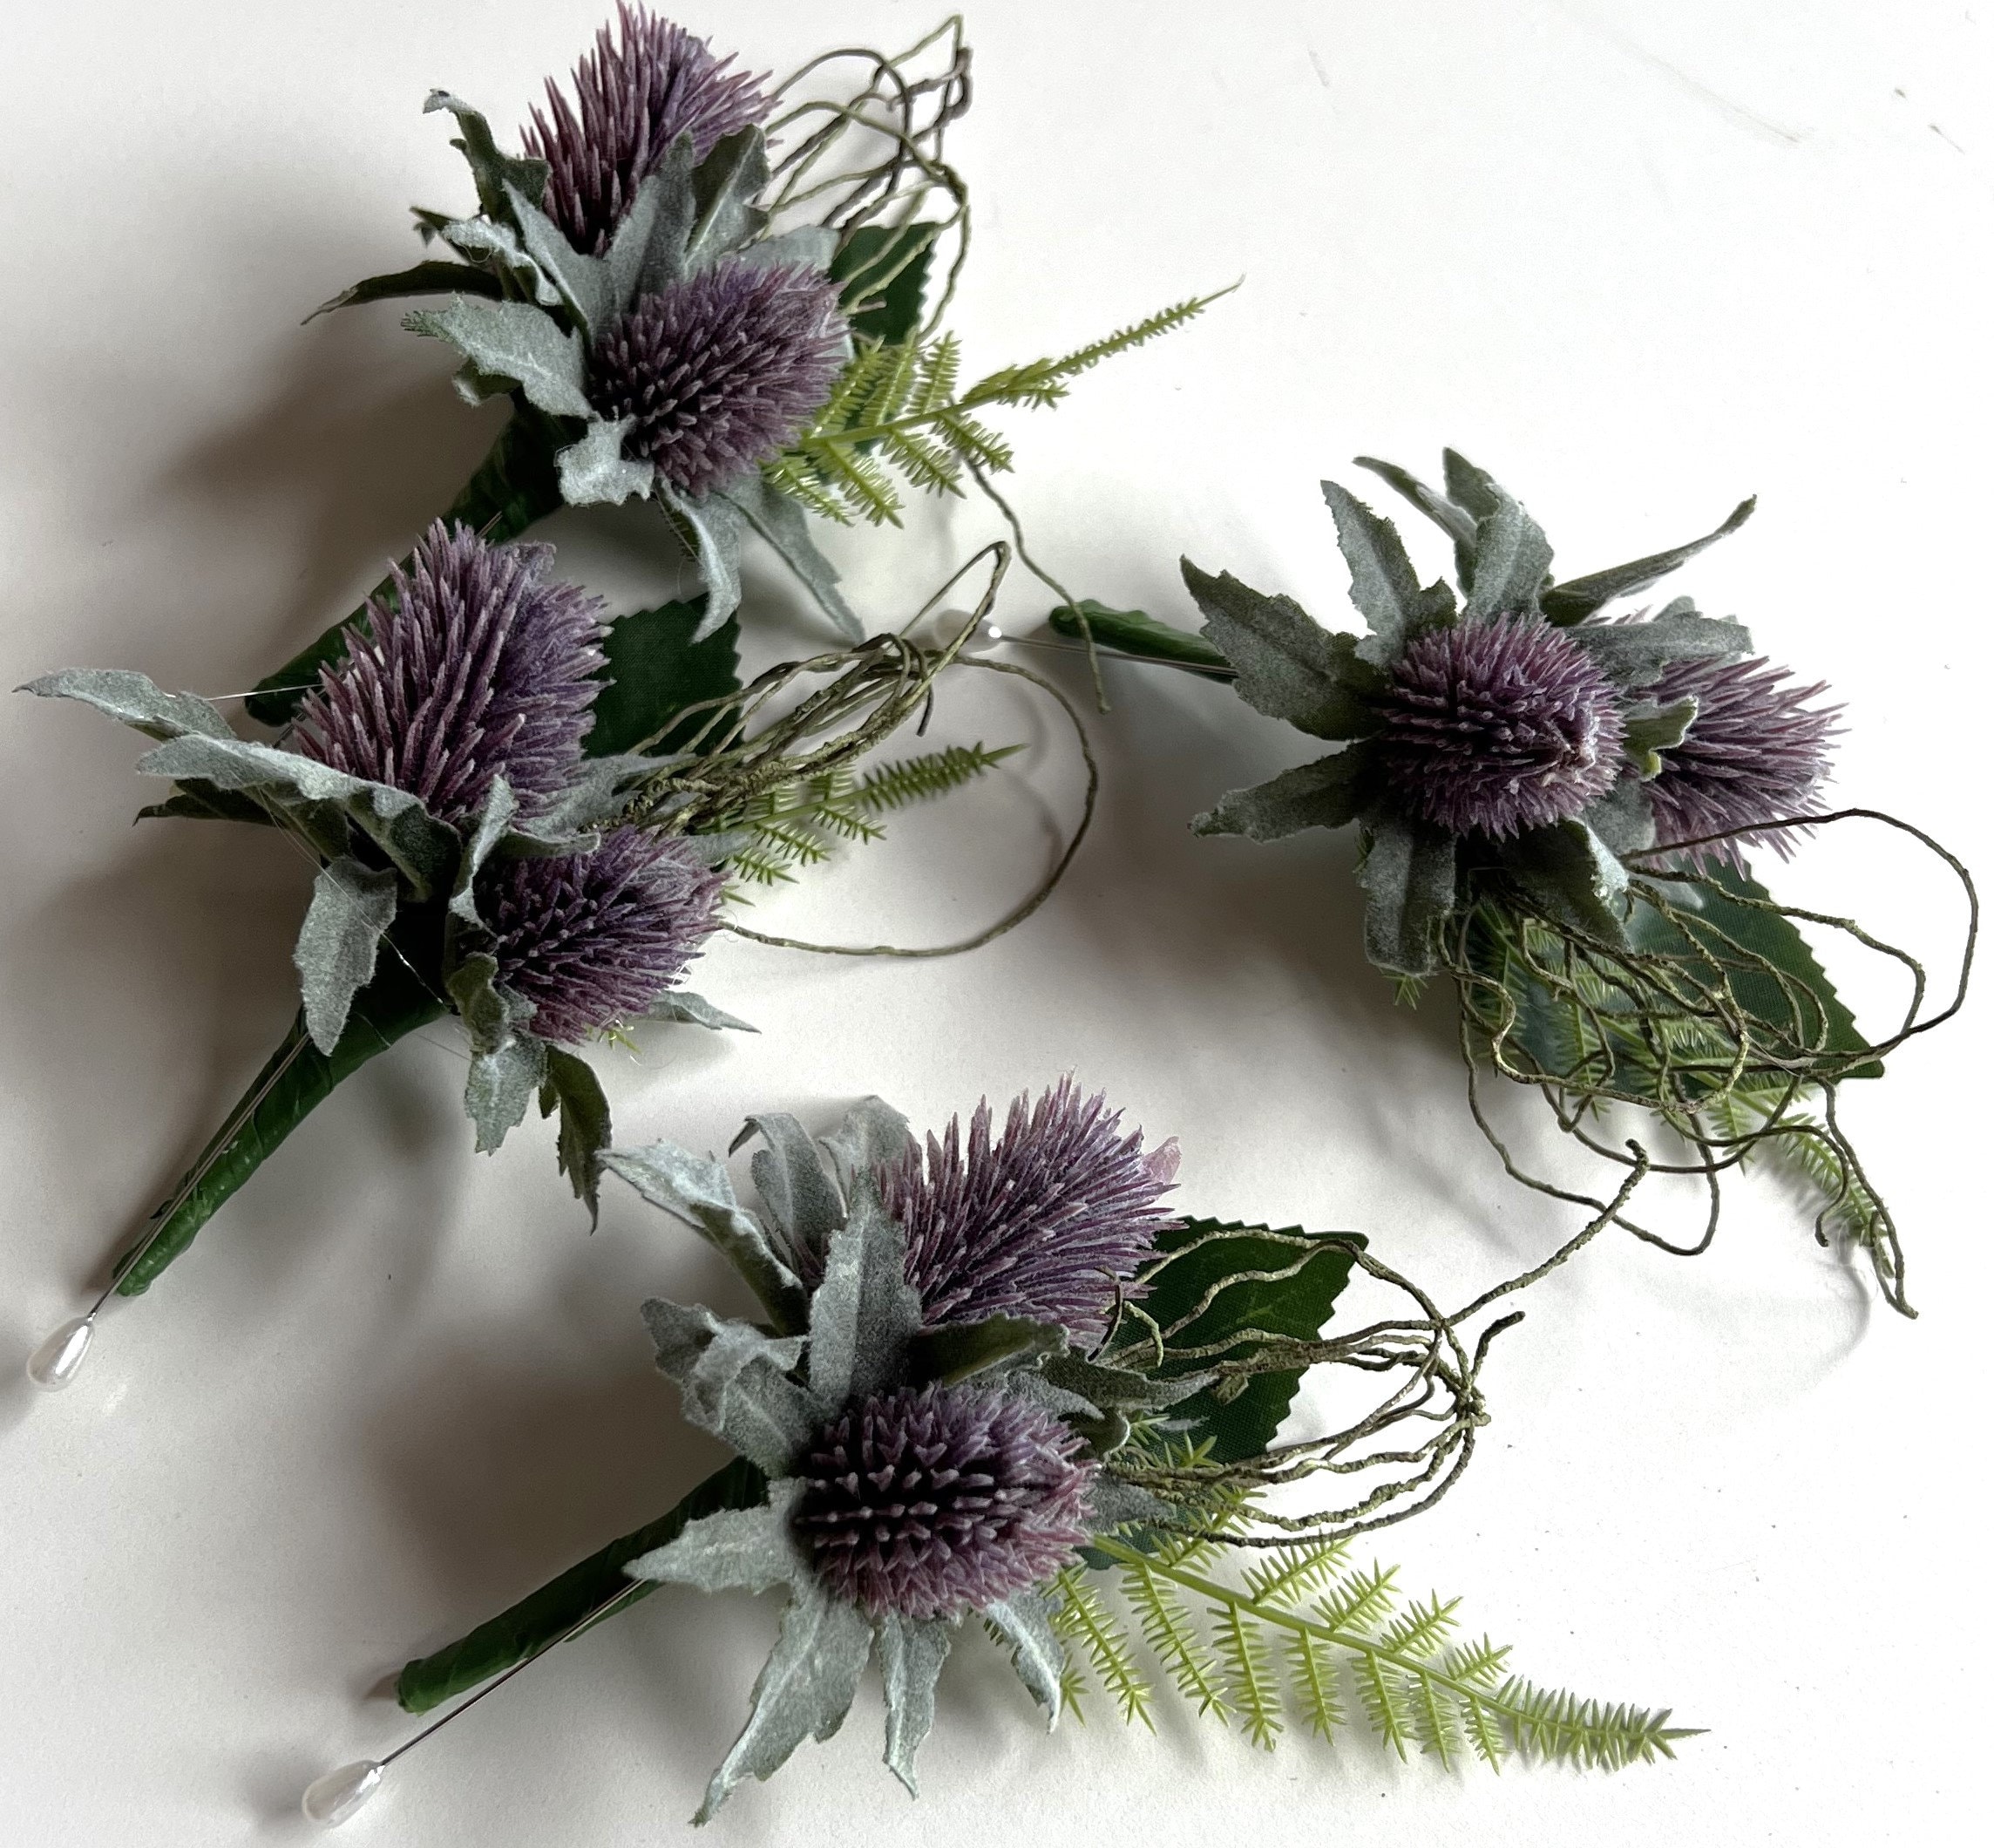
{"x": 1084, "y": 1618}
{"x": 922, "y": 779}
{"x": 1249, "y": 1661}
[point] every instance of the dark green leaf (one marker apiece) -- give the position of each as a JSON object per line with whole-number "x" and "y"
{"x": 432, "y": 278}
{"x": 1325, "y": 794}
{"x": 1296, "y": 1306}
{"x": 1131, "y": 632}
{"x": 540, "y": 1619}
{"x": 299, "y": 1078}
{"x": 200, "y": 800}
{"x": 958, "y": 1350}
{"x": 1289, "y": 666}
{"x": 1408, "y": 878}
{"x": 656, "y": 671}
{"x": 884, "y": 271}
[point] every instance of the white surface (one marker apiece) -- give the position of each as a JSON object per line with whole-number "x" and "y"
{"x": 1637, "y": 258}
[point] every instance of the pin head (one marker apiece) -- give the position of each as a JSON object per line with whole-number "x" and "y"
{"x": 58, "y": 1360}
{"x": 335, "y": 1797}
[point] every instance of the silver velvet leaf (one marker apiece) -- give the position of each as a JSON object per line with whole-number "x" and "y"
{"x": 735, "y": 1382}
{"x": 1324, "y": 794}
{"x": 508, "y": 1065}
{"x": 1408, "y": 880}
{"x": 711, "y": 530}
{"x": 911, "y": 1651}
{"x": 696, "y": 1189}
{"x": 863, "y": 1313}
{"x": 737, "y": 1550}
{"x": 1025, "y": 1622}
{"x": 872, "y": 1134}
{"x": 780, "y": 521}
{"x": 572, "y": 1087}
{"x": 133, "y": 700}
{"x": 582, "y": 282}
{"x": 1572, "y": 874}
{"x": 727, "y": 182}
{"x": 1512, "y": 562}
{"x": 804, "y": 1691}
{"x": 494, "y": 816}
{"x": 1383, "y": 585}
{"x": 491, "y": 169}
{"x": 497, "y": 247}
{"x": 424, "y": 848}
{"x": 1112, "y": 1503}
{"x": 795, "y": 1189}
{"x": 809, "y": 247}
{"x": 694, "y": 1010}
{"x": 1289, "y": 666}
{"x": 1635, "y": 653}
{"x": 506, "y": 344}
{"x": 351, "y": 906}
{"x": 596, "y": 473}
{"x": 961, "y": 1350}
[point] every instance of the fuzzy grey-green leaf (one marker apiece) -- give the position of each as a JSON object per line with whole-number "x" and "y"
{"x": 572, "y": 1088}
{"x": 500, "y": 1086}
{"x": 596, "y": 473}
{"x": 862, "y": 1313}
{"x": 780, "y": 521}
{"x": 1408, "y": 880}
{"x": 727, "y": 184}
{"x": 1289, "y": 666}
{"x": 1578, "y": 597}
{"x": 1573, "y": 875}
{"x": 711, "y": 530}
{"x": 133, "y": 700}
{"x": 351, "y": 906}
{"x": 794, "y": 1187}
{"x": 911, "y": 1651}
{"x": 494, "y": 815}
{"x": 491, "y": 168}
{"x": 1324, "y": 794}
{"x": 583, "y": 283}
{"x": 736, "y": 1550}
{"x": 514, "y": 344}
{"x": 962, "y": 1350}
{"x": 1383, "y": 585}
{"x": 1026, "y": 1622}
{"x": 1652, "y": 729}
{"x": 734, "y": 1380}
{"x": 647, "y": 253}
{"x": 872, "y": 1133}
{"x": 1635, "y": 653}
{"x": 1512, "y": 561}
{"x": 804, "y": 1691}
{"x": 696, "y": 1010}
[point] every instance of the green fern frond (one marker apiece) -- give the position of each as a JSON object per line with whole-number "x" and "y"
{"x": 1360, "y": 1599}
{"x": 1084, "y": 1618}
{"x": 1312, "y": 1674}
{"x": 1293, "y": 1573}
{"x": 1168, "y": 1629}
{"x": 921, "y": 779}
{"x": 1043, "y": 381}
{"x": 1249, "y": 1661}
{"x": 1422, "y": 1627}
{"x": 1383, "y": 1690}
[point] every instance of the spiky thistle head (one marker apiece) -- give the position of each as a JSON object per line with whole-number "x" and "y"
{"x": 721, "y": 370}
{"x": 1048, "y": 1222}
{"x": 1755, "y": 752}
{"x": 1494, "y": 726}
{"x": 591, "y": 939}
{"x": 634, "y": 96}
{"x": 474, "y": 666}
{"x": 930, "y": 1501}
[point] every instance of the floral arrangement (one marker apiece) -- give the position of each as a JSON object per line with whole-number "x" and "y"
{"x": 524, "y": 813}
{"x": 1554, "y": 805}
{"x": 996, "y": 1385}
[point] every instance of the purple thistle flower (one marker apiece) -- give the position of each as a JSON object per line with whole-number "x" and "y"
{"x": 637, "y": 96}
{"x": 474, "y": 667}
{"x": 1754, "y": 753}
{"x": 720, "y": 371}
{"x": 591, "y": 939}
{"x": 933, "y": 1501}
{"x": 1047, "y": 1223}
{"x": 1490, "y": 727}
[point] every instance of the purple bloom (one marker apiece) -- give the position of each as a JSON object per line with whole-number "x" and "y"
{"x": 1755, "y": 752}
{"x": 1047, "y": 1223}
{"x": 933, "y": 1501}
{"x": 637, "y": 96}
{"x": 474, "y": 667}
{"x": 721, "y": 370}
{"x": 1491, "y": 727}
{"x": 591, "y": 939}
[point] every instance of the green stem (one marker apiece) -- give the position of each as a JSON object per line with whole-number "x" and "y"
{"x": 294, "y": 1082}
{"x": 515, "y": 485}
{"x": 543, "y": 1618}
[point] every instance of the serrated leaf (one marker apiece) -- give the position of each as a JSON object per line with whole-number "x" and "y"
{"x": 494, "y": 816}
{"x": 646, "y": 254}
{"x": 572, "y": 1088}
{"x": 1383, "y": 585}
{"x": 1329, "y": 793}
{"x": 732, "y": 1550}
{"x": 501, "y": 1083}
{"x": 508, "y": 344}
{"x": 352, "y": 905}
{"x": 1289, "y": 666}
{"x": 496, "y": 245}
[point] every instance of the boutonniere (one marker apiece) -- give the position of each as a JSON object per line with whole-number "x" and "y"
{"x": 998, "y": 1386}
{"x": 1555, "y": 803}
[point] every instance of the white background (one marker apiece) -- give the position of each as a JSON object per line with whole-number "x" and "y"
{"x": 1638, "y": 259}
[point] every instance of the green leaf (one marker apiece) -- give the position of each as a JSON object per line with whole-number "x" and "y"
{"x": 514, "y": 487}
{"x": 541, "y": 1618}
{"x": 1290, "y": 667}
{"x": 432, "y": 278}
{"x": 508, "y": 344}
{"x": 1578, "y": 597}
{"x": 351, "y": 906}
{"x": 572, "y": 1087}
{"x": 1568, "y": 872}
{"x": 655, "y": 671}
{"x": 1652, "y": 729}
{"x": 1408, "y": 880}
{"x": 725, "y": 186}
{"x": 1214, "y": 1262}
{"x": 885, "y": 271}
{"x": 960, "y": 1350}
{"x": 1329, "y": 793}
{"x": 294, "y": 1082}
{"x": 1131, "y": 632}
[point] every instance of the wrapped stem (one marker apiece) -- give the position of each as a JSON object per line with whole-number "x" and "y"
{"x": 294, "y": 1081}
